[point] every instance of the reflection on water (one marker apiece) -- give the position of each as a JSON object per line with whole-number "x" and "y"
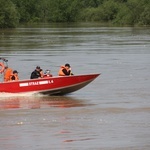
{"x": 35, "y": 102}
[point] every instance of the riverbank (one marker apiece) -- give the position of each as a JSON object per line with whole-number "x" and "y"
{"x": 127, "y": 12}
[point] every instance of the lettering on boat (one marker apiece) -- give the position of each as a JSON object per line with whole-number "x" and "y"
{"x": 34, "y": 83}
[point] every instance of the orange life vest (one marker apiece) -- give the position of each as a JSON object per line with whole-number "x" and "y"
{"x": 16, "y": 77}
{"x": 60, "y": 73}
{"x": 7, "y": 74}
{"x": 2, "y": 67}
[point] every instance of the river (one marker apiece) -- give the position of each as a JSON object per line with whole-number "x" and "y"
{"x": 111, "y": 113}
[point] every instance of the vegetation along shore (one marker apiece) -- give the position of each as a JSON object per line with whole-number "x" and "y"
{"x": 119, "y": 12}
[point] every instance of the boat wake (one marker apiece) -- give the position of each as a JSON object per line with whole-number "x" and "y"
{"x": 36, "y": 101}
{"x": 4, "y": 95}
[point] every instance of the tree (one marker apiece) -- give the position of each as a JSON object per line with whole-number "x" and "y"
{"x": 122, "y": 12}
{"x": 28, "y": 9}
{"x": 109, "y": 10}
{"x": 63, "y": 10}
{"x": 91, "y": 3}
{"x": 9, "y": 16}
{"x": 145, "y": 14}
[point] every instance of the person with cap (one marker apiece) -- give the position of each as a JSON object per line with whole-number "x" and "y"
{"x": 14, "y": 76}
{"x": 36, "y": 73}
{"x": 65, "y": 70}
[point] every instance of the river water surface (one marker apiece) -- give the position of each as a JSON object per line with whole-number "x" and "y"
{"x": 111, "y": 113}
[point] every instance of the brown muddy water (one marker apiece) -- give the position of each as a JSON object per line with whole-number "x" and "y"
{"x": 111, "y": 113}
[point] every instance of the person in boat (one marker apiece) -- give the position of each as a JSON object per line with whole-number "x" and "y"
{"x": 7, "y": 73}
{"x": 65, "y": 70}
{"x": 14, "y": 76}
{"x": 41, "y": 73}
{"x": 36, "y": 73}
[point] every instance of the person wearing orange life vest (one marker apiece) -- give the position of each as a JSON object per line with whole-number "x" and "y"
{"x": 7, "y": 74}
{"x": 65, "y": 70}
{"x": 14, "y": 76}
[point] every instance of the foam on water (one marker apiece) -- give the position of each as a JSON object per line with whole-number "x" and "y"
{"x": 4, "y": 95}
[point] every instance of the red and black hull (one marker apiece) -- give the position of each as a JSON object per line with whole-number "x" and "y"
{"x": 52, "y": 85}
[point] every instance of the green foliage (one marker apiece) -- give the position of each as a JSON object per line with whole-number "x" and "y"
{"x": 109, "y": 10}
{"x": 115, "y": 11}
{"x": 28, "y": 9}
{"x": 43, "y": 10}
{"x": 123, "y": 17}
{"x": 145, "y": 16}
{"x": 91, "y": 3}
{"x": 134, "y": 12}
{"x": 63, "y": 10}
{"x": 105, "y": 12}
{"x": 89, "y": 14}
{"x": 9, "y": 17}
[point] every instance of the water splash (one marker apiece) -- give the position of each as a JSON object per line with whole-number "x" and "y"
{"x": 4, "y": 95}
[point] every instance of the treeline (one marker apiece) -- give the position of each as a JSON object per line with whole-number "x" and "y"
{"x": 120, "y": 12}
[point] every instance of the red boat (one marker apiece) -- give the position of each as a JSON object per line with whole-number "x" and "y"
{"x": 58, "y": 85}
